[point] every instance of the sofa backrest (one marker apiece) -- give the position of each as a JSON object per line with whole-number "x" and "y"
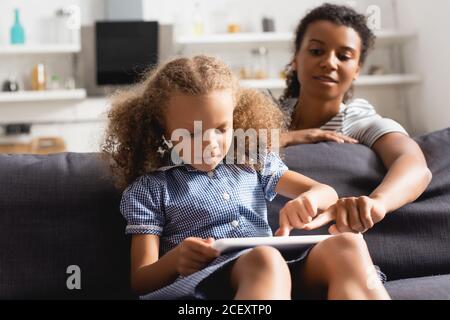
{"x": 60, "y": 219}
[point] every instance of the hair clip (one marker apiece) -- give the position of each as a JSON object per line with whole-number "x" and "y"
{"x": 166, "y": 146}
{"x": 168, "y": 143}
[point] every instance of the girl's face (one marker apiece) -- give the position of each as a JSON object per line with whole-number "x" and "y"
{"x": 328, "y": 60}
{"x": 206, "y": 123}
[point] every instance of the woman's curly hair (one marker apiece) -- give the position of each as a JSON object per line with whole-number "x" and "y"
{"x": 134, "y": 134}
{"x": 341, "y": 16}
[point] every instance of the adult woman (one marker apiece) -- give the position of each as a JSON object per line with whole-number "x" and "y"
{"x": 332, "y": 43}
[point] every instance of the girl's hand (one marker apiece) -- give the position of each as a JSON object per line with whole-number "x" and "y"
{"x": 355, "y": 215}
{"x": 296, "y": 214}
{"x": 193, "y": 254}
{"x": 314, "y": 136}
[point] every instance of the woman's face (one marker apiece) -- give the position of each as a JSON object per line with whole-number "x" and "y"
{"x": 201, "y": 127}
{"x": 328, "y": 60}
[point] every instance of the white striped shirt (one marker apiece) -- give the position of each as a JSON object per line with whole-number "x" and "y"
{"x": 358, "y": 120}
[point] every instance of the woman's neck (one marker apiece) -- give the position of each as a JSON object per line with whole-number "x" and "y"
{"x": 313, "y": 113}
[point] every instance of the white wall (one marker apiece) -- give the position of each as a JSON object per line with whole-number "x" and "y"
{"x": 248, "y": 13}
{"x": 36, "y": 16}
{"x": 123, "y": 10}
{"x": 92, "y": 10}
{"x": 429, "y": 56}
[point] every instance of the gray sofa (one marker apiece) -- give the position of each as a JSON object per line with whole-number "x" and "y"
{"x": 62, "y": 210}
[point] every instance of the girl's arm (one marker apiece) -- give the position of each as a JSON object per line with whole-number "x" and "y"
{"x": 308, "y": 196}
{"x": 149, "y": 273}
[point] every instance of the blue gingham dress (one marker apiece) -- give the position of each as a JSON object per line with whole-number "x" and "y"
{"x": 178, "y": 201}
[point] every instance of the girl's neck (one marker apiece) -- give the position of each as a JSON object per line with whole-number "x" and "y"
{"x": 311, "y": 112}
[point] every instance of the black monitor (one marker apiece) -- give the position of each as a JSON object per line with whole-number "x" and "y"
{"x": 124, "y": 50}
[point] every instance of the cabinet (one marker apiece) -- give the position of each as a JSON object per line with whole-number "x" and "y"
{"x": 387, "y": 91}
{"x": 243, "y": 41}
{"x": 28, "y": 55}
{"x": 50, "y": 113}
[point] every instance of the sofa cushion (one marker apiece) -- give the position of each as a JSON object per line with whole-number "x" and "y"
{"x": 426, "y": 288}
{"x": 410, "y": 242}
{"x": 57, "y": 211}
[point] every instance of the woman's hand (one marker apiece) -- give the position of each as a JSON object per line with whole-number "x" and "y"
{"x": 313, "y": 136}
{"x": 355, "y": 215}
{"x": 193, "y": 254}
{"x": 296, "y": 214}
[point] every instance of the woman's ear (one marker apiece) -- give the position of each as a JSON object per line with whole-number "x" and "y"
{"x": 293, "y": 66}
{"x": 358, "y": 71}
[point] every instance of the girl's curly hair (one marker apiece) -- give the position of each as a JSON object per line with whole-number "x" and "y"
{"x": 135, "y": 130}
{"x": 341, "y": 16}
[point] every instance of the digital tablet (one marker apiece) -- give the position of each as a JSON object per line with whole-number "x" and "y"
{"x": 294, "y": 242}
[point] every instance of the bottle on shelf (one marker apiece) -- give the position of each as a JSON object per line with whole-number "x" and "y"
{"x": 232, "y": 21}
{"x": 70, "y": 84}
{"x": 17, "y": 31}
{"x": 198, "y": 26}
{"x": 38, "y": 79}
{"x": 260, "y": 63}
{"x": 233, "y": 28}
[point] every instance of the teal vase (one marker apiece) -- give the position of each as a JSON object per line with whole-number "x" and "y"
{"x": 17, "y": 31}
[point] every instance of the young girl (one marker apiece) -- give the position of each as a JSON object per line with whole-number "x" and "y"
{"x": 176, "y": 210}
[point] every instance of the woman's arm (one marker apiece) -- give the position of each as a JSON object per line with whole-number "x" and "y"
{"x": 408, "y": 175}
{"x": 308, "y": 196}
{"x": 295, "y": 137}
{"x": 149, "y": 273}
{"x": 406, "y": 179}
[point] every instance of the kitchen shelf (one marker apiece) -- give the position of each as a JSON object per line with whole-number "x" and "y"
{"x": 375, "y": 80}
{"x": 39, "y": 49}
{"x": 35, "y": 96}
{"x": 227, "y": 38}
{"x": 388, "y": 79}
{"x": 390, "y": 37}
{"x": 384, "y": 37}
{"x": 264, "y": 84}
